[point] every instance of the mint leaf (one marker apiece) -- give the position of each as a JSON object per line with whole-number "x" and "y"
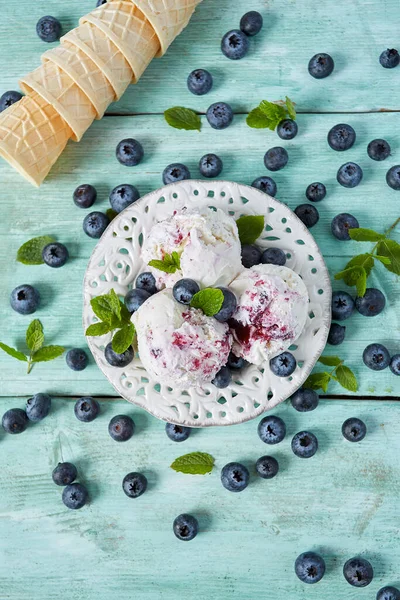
{"x": 111, "y": 214}
{"x": 290, "y": 108}
{"x": 391, "y": 250}
{"x": 12, "y": 352}
{"x": 362, "y": 260}
{"x": 194, "y": 463}
{"x": 182, "y": 118}
{"x": 317, "y": 381}
{"x": 176, "y": 260}
{"x": 350, "y": 276}
{"x": 250, "y": 228}
{"x": 98, "y": 329}
{"x": 346, "y": 378}
{"x": 361, "y": 283}
{"x": 169, "y": 264}
{"x": 330, "y": 361}
{"x": 360, "y": 234}
{"x": 30, "y": 253}
{"x": 257, "y": 119}
{"x": 275, "y": 113}
{"x": 106, "y": 307}
{"x": 34, "y": 336}
{"x": 209, "y": 300}
{"x": 383, "y": 259}
{"x": 123, "y": 339}
{"x": 48, "y": 353}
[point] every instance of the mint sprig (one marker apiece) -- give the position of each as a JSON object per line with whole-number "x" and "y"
{"x": 250, "y": 227}
{"x": 180, "y": 117}
{"x": 209, "y": 300}
{"x": 30, "y": 253}
{"x": 194, "y": 463}
{"x": 113, "y": 314}
{"x": 268, "y": 115}
{"x": 340, "y": 373}
{"x": 169, "y": 264}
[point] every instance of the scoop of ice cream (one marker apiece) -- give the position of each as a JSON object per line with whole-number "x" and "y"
{"x": 180, "y": 345}
{"x": 208, "y": 244}
{"x": 271, "y": 311}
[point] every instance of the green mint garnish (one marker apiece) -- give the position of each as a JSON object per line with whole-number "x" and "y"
{"x": 123, "y": 339}
{"x": 182, "y": 118}
{"x": 169, "y": 264}
{"x": 30, "y": 253}
{"x": 209, "y": 300}
{"x": 268, "y": 115}
{"x": 194, "y": 463}
{"x": 107, "y": 307}
{"x": 257, "y": 119}
{"x": 340, "y": 373}
{"x": 290, "y": 108}
{"x": 360, "y": 234}
{"x": 250, "y": 228}
{"x": 114, "y": 315}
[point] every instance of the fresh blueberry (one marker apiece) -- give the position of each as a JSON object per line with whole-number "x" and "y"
{"x": 147, "y": 282}
{"x": 372, "y": 303}
{"x": 287, "y": 129}
{"x": 393, "y": 177}
{"x": 25, "y": 299}
{"x": 134, "y": 485}
{"x": 95, "y": 224}
{"x": 222, "y": 378}
{"x": 184, "y": 290}
{"x": 9, "y": 98}
{"x": 336, "y": 334}
{"x": 75, "y": 496}
{"x": 85, "y": 195}
{"x": 175, "y": 172}
{"x": 228, "y": 305}
{"x": 341, "y": 137}
{"x": 376, "y": 357}
{"x": 271, "y": 430}
{"x": 275, "y": 158}
{"x": 100, "y": 2}
{"x": 283, "y": 365}
{"x": 304, "y": 444}
{"x": 236, "y": 362}
{"x": 388, "y": 593}
{"x": 309, "y": 567}
{"x": 219, "y": 115}
{"x": 349, "y": 175}
{"x": 77, "y": 359}
{"x": 321, "y": 65}
{"x": 267, "y": 467}
{"x": 15, "y": 420}
{"x": 235, "y": 44}
{"x": 86, "y": 409}
{"x": 358, "y": 572}
{"x": 305, "y": 400}
{"x": 266, "y": 185}
{"x": 378, "y": 149}
{"x": 354, "y": 430}
{"x": 121, "y": 428}
{"x": 118, "y": 360}
{"x": 341, "y": 224}
{"x": 210, "y": 165}
{"x": 177, "y": 433}
{"x": 389, "y": 58}
{"x": 48, "y": 29}
{"x": 251, "y": 255}
{"x": 135, "y": 298}
{"x": 251, "y": 23}
{"x": 395, "y": 364}
{"x": 308, "y": 214}
{"x": 55, "y": 255}
{"x": 64, "y": 473}
{"x": 273, "y": 256}
{"x": 342, "y": 306}
{"x": 316, "y": 192}
{"x": 122, "y": 196}
{"x": 38, "y": 407}
{"x": 185, "y": 527}
{"x": 129, "y": 152}
{"x": 235, "y": 477}
{"x": 199, "y": 82}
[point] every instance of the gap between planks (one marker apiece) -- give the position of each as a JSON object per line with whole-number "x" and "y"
{"x": 322, "y": 397}
{"x": 299, "y": 112}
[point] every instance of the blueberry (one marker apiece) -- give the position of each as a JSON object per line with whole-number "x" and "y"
{"x": 372, "y": 303}
{"x": 25, "y": 299}
{"x": 308, "y": 214}
{"x": 273, "y": 256}
{"x": 235, "y": 44}
{"x": 305, "y": 400}
{"x": 134, "y": 485}
{"x": 354, "y": 430}
{"x": 393, "y": 177}
{"x": 342, "y": 306}
{"x": 388, "y": 593}
{"x": 86, "y": 409}
{"x": 376, "y": 357}
{"x": 123, "y": 196}
{"x": 235, "y": 477}
{"x": 199, "y": 82}
{"x": 15, "y": 420}
{"x": 100, "y": 2}
{"x": 266, "y": 185}
{"x": 341, "y": 137}
{"x": 177, "y": 433}
{"x": 349, "y": 175}
{"x": 129, "y": 152}
{"x": 304, "y": 444}
{"x": 378, "y": 149}
{"x": 267, "y": 467}
{"x": 275, "y": 158}
{"x": 147, "y": 282}
{"x": 316, "y": 192}
{"x": 228, "y": 305}
{"x": 185, "y": 527}
{"x": 389, "y": 58}
{"x": 222, "y": 378}
{"x": 251, "y": 255}
{"x": 219, "y": 115}
{"x": 395, "y": 364}
{"x": 341, "y": 224}
{"x": 48, "y": 29}
{"x": 85, "y": 195}
{"x": 358, "y": 572}
{"x": 77, "y": 359}
{"x": 75, "y": 496}
{"x": 184, "y": 290}
{"x": 38, "y": 407}
{"x": 55, "y": 255}
{"x": 236, "y": 362}
{"x": 9, "y": 98}
{"x": 175, "y": 172}
{"x": 64, "y": 473}
{"x": 321, "y": 65}
{"x": 283, "y": 365}
{"x": 135, "y": 298}
{"x": 118, "y": 360}
{"x": 95, "y": 224}
{"x": 121, "y": 428}
{"x": 336, "y": 334}
{"x": 251, "y": 23}
{"x": 271, "y": 430}
{"x": 210, "y": 165}
{"x": 287, "y": 129}
{"x": 309, "y": 567}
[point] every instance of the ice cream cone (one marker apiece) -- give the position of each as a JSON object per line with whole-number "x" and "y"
{"x": 32, "y": 137}
{"x": 127, "y": 27}
{"x": 58, "y": 89}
